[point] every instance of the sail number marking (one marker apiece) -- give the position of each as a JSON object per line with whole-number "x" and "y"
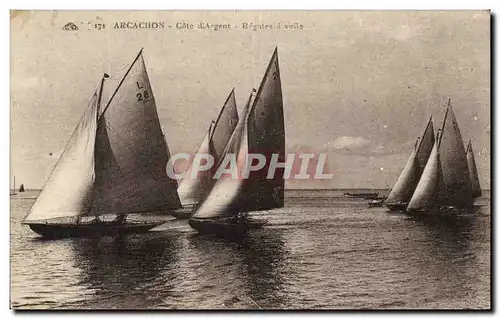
{"x": 141, "y": 96}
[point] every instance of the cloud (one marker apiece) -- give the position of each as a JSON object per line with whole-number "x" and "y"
{"x": 348, "y": 142}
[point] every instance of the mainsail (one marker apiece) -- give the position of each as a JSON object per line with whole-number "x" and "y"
{"x": 21, "y": 188}
{"x": 407, "y": 180}
{"x": 225, "y": 124}
{"x": 131, "y": 153}
{"x": 457, "y": 187}
{"x": 67, "y": 191}
{"x": 193, "y": 189}
{"x": 474, "y": 178}
{"x": 259, "y": 130}
{"x": 426, "y": 192}
{"x": 114, "y": 163}
{"x": 403, "y": 190}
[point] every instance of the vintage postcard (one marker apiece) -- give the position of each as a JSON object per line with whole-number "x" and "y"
{"x": 250, "y": 160}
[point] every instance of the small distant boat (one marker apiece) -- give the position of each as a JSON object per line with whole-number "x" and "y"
{"x": 376, "y": 203}
{"x": 361, "y": 195}
{"x": 13, "y": 191}
{"x": 114, "y": 164}
{"x": 260, "y": 129}
{"x": 375, "y": 197}
{"x": 21, "y": 188}
{"x": 474, "y": 179}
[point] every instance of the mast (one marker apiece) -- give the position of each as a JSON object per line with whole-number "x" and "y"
{"x": 122, "y": 80}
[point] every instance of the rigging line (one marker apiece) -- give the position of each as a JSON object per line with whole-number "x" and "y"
{"x": 254, "y": 302}
{"x": 121, "y": 82}
{"x": 261, "y": 86}
{"x": 64, "y": 149}
{"x": 222, "y": 110}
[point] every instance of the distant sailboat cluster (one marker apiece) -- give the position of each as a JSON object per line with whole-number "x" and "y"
{"x": 114, "y": 165}
{"x": 440, "y": 173}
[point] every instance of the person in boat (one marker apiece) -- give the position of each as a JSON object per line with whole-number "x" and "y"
{"x": 120, "y": 219}
{"x": 97, "y": 220}
{"x": 239, "y": 218}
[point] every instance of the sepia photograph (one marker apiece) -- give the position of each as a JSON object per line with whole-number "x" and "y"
{"x": 250, "y": 160}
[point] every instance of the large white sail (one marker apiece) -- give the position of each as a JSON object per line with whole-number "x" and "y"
{"x": 193, "y": 189}
{"x": 408, "y": 179}
{"x": 426, "y": 195}
{"x": 67, "y": 191}
{"x": 131, "y": 153}
{"x": 457, "y": 186}
{"x": 227, "y": 192}
{"x": 474, "y": 178}
{"x": 259, "y": 130}
{"x": 405, "y": 185}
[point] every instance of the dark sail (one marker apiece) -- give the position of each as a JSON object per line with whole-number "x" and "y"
{"x": 262, "y": 127}
{"x": 457, "y": 187}
{"x": 225, "y": 124}
{"x": 266, "y": 136}
{"x": 131, "y": 153}
{"x": 474, "y": 178}
{"x": 21, "y": 188}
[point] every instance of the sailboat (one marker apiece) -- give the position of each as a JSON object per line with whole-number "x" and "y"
{"x": 445, "y": 183}
{"x": 260, "y": 130}
{"x": 193, "y": 189}
{"x": 21, "y": 188}
{"x": 113, "y": 165}
{"x": 405, "y": 185}
{"x": 474, "y": 178}
{"x": 13, "y": 191}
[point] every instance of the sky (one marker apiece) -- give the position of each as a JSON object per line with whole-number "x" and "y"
{"x": 357, "y": 85}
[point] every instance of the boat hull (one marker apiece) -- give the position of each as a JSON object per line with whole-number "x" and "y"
{"x": 183, "y": 213}
{"x": 396, "y": 206}
{"x": 362, "y": 195}
{"x": 376, "y": 203}
{"x": 222, "y": 228}
{"x": 89, "y": 230}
